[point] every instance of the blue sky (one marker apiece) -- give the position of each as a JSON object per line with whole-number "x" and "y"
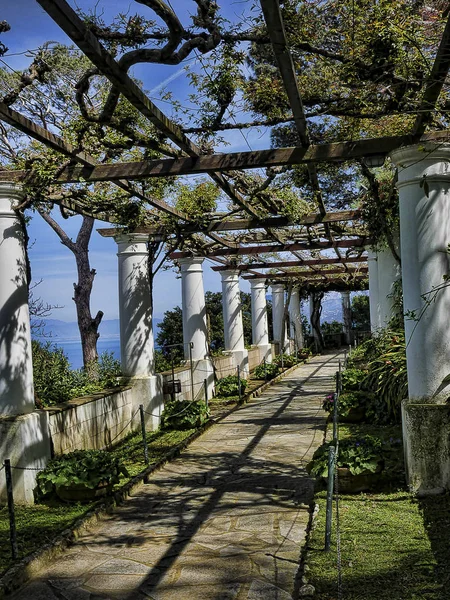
{"x": 50, "y": 261}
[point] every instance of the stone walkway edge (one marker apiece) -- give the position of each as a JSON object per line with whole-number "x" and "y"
{"x": 22, "y": 571}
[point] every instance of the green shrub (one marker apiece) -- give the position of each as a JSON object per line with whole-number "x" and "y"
{"x": 349, "y": 401}
{"x": 55, "y": 381}
{"x": 53, "y": 378}
{"x": 266, "y": 371}
{"x": 229, "y": 386}
{"x": 81, "y": 467}
{"x": 352, "y": 379}
{"x": 184, "y": 414}
{"x": 289, "y": 360}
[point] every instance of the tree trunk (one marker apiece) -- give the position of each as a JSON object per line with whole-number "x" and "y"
{"x": 87, "y": 325}
{"x": 315, "y": 319}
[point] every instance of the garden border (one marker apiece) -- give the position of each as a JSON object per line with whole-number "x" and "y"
{"x": 19, "y": 573}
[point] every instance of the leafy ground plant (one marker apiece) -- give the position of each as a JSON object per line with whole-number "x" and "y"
{"x": 359, "y": 455}
{"x": 266, "y": 371}
{"x": 184, "y": 414}
{"x": 229, "y": 386}
{"x": 88, "y": 468}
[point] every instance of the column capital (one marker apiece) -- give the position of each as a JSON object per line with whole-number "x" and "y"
{"x": 191, "y": 263}
{"x": 230, "y": 275}
{"x": 11, "y": 195}
{"x": 257, "y": 283}
{"x": 430, "y": 160}
{"x": 132, "y": 243}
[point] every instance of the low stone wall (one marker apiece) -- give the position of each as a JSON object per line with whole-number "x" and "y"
{"x": 254, "y": 358}
{"x": 224, "y": 365}
{"x": 92, "y": 422}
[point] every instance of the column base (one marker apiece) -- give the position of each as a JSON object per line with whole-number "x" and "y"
{"x": 426, "y": 447}
{"x": 25, "y": 440}
{"x": 203, "y": 369}
{"x": 240, "y": 357}
{"x": 149, "y": 392}
{"x": 265, "y": 352}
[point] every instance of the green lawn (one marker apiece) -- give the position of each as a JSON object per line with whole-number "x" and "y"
{"x": 393, "y": 546}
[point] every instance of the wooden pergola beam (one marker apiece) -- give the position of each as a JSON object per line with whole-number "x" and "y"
{"x": 247, "y": 224}
{"x": 62, "y": 13}
{"x": 167, "y": 167}
{"x": 307, "y": 273}
{"x": 294, "y": 263}
{"x": 262, "y": 249}
{"x": 38, "y": 133}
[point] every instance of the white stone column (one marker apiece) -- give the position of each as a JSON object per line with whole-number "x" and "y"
{"x": 260, "y": 326}
{"x": 16, "y": 369}
{"x": 295, "y": 317}
{"x": 389, "y": 272}
{"x": 193, "y": 307}
{"x": 278, "y": 294}
{"x": 347, "y": 316}
{"x": 374, "y": 302}
{"x": 424, "y": 190}
{"x": 135, "y": 306}
{"x": 232, "y": 318}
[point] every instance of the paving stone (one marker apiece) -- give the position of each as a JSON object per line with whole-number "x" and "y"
{"x": 262, "y": 590}
{"x": 222, "y": 521}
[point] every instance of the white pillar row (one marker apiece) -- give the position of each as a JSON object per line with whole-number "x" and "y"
{"x": 16, "y": 368}
{"x": 193, "y": 308}
{"x": 389, "y": 271}
{"x": 347, "y": 316}
{"x": 374, "y": 302}
{"x": 424, "y": 193}
{"x": 232, "y": 318}
{"x": 295, "y": 317}
{"x": 260, "y": 326}
{"x": 135, "y": 306}
{"x": 424, "y": 238}
{"x": 278, "y": 294}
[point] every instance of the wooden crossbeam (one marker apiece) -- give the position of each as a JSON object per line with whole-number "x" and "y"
{"x": 307, "y": 273}
{"x": 75, "y": 28}
{"x": 55, "y": 142}
{"x": 247, "y": 224}
{"x": 275, "y": 27}
{"x": 435, "y": 82}
{"x": 262, "y": 249}
{"x": 167, "y": 167}
{"x": 294, "y": 263}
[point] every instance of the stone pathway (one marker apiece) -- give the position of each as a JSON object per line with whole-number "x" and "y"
{"x": 225, "y": 521}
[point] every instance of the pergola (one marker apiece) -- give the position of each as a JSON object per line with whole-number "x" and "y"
{"x": 320, "y": 251}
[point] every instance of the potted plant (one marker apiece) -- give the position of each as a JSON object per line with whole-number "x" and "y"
{"x": 351, "y": 405}
{"x": 359, "y": 463}
{"x": 81, "y": 476}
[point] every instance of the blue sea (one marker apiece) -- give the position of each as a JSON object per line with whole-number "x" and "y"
{"x": 72, "y": 349}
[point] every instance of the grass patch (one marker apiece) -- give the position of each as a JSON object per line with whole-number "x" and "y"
{"x": 386, "y": 554}
{"x": 393, "y": 546}
{"x": 37, "y": 525}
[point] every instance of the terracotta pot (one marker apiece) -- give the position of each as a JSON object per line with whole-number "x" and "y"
{"x": 355, "y": 415}
{"x": 353, "y": 484}
{"x": 80, "y": 493}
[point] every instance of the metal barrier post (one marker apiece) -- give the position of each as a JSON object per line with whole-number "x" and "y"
{"x": 144, "y": 436}
{"x": 265, "y": 369}
{"x": 335, "y": 415}
{"x": 329, "y": 511}
{"x": 12, "y": 516}
{"x": 239, "y": 382}
{"x": 172, "y": 394}
{"x": 205, "y": 384}
{"x": 191, "y": 345}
